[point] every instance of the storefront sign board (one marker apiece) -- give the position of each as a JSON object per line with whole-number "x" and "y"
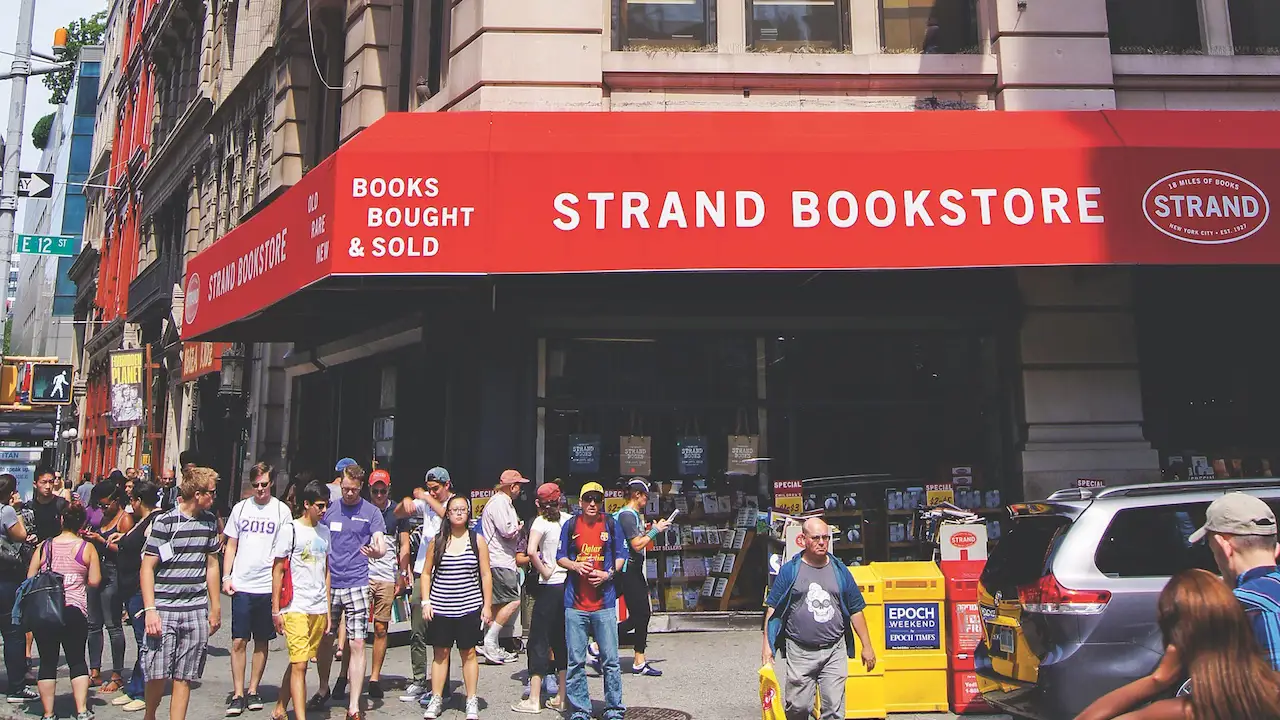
{"x": 201, "y": 358}
{"x": 584, "y": 453}
{"x": 614, "y": 500}
{"x": 912, "y": 626}
{"x": 479, "y": 498}
{"x": 520, "y": 193}
{"x": 126, "y": 388}
{"x": 937, "y": 493}
{"x": 788, "y": 496}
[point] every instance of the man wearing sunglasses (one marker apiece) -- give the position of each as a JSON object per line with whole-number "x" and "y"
{"x": 252, "y": 531}
{"x": 814, "y": 610}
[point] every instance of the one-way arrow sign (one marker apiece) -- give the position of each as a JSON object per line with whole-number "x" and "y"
{"x": 35, "y": 185}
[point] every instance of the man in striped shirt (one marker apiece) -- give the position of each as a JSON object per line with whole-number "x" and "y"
{"x": 179, "y": 583}
{"x": 1241, "y": 531}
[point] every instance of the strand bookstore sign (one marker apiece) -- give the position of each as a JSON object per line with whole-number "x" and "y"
{"x": 538, "y": 193}
{"x": 126, "y": 388}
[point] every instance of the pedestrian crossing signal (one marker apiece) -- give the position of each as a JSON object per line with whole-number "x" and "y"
{"x": 50, "y": 384}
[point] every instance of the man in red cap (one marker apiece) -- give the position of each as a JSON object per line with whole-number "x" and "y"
{"x": 501, "y": 526}
{"x": 385, "y": 577}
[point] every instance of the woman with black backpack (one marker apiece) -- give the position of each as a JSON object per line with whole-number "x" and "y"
{"x": 457, "y": 594}
{"x": 76, "y": 560}
{"x": 13, "y": 570}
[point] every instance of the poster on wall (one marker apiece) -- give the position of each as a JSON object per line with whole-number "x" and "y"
{"x": 634, "y": 455}
{"x": 584, "y": 453}
{"x": 126, "y": 388}
{"x": 691, "y": 454}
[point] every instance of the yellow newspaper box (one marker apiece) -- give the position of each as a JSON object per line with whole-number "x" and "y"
{"x": 864, "y": 692}
{"x": 914, "y": 654}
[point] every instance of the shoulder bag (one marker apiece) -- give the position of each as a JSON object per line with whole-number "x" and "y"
{"x": 42, "y": 597}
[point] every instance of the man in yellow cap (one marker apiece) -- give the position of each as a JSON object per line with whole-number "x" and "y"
{"x": 592, "y": 549}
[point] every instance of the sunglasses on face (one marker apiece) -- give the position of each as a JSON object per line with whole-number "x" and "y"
{"x": 433, "y": 489}
{"x": 591, "y": 499}
{"x": 379, "y": 491}
{"x": 262, "y": 485}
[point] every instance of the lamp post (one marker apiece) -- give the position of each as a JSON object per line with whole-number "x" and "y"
{"x": 231, "y": 392}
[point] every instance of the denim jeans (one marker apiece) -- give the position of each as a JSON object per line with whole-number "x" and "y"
{"x": 137, "y": 685}
{"x": 579, "y": 627}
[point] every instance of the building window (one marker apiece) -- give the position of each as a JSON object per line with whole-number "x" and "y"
{"x": 664, "y": 24}
{"x": 1154, "y": 27}
{"x": 1255, "y": 26}
{"x": 929, "y": 26}
{"x": 791, "y": 25}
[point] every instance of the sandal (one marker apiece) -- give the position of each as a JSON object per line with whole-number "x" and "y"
{"x": 112, "y": 685}
{"x": 555, "y": 704}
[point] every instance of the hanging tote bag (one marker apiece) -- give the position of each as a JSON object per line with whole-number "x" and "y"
{"x": 771, "y": 695}
{"x": 286, "y": 582}
{"x": 42, "y": 597}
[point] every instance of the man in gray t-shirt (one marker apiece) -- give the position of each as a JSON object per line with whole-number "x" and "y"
{"x": 816, "y": 621}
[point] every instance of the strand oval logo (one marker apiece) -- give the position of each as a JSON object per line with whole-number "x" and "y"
{"x": 192, "y": 298}
{"x": 1206, "y": 207}
{"x": 963, "y": 539}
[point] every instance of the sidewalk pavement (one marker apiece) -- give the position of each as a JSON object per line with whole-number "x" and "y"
{"x": 711, "y": 676}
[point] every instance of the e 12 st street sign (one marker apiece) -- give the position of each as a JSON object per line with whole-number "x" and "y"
{"x": 48, "y": 245}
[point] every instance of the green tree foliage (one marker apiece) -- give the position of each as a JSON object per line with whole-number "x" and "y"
{"x": 40, "y": 133}
{"x": 85, "y": 31}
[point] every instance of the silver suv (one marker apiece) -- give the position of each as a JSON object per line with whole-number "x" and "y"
{"x": 1068, "y": 596}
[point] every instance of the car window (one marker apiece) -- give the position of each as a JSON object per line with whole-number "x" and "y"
{"x": 1152, "y": 542}
{"x": 1021, "y": 556}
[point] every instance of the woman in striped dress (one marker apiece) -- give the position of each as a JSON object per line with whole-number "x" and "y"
{"x": 457, "y": 590}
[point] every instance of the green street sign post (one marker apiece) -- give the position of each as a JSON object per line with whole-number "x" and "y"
{"x": 48, "y": 245}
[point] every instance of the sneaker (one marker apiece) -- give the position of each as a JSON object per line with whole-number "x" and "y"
{"x": 375, "y": 690}
{"x": 473, "y": 708}
{"x": 121, "y": 699}
{"x": 493, "y": 655}
{"x": 135, "y": 706}
{"x": 318, "y": 701}
{"x": 357, "y": 715}
{"x": 86, "y": 715}
{"x": 434, "y": 707}
{"x": 340, "y": 689}
{"x": 26, "y": 694}
{"x": 527, "y": 707}
{"x": 413, "y": 693}
{"x": 647, "y": 670}
{"x": 236, "y": 706}
{"x": 254, "y": 701}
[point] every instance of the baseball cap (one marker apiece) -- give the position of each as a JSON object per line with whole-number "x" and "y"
{"x": 592, "y": 487}
{"x": 511, "y": 477}
{"x": 379, "y": 476}
{"x": 1237, "y": 514}
{"x": 638, "y": 484}
{"x": 343, "y": 464}
{"x": 548, "y": 492}
{"x": 438, "y": 474}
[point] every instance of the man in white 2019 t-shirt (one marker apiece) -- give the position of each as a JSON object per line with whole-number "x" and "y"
{"x": 252, "y": 529}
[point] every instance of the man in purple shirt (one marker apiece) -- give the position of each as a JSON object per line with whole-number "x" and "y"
{"x": 357, "y": 531}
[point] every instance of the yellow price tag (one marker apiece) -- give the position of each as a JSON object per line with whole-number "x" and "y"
{"x": 790, "y": 504}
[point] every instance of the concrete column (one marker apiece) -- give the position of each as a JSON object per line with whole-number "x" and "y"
{"x": 731, "y": 26}
{"x": 1052, "y": 55}
{"x": 865, "y": 15}
{"x": 370, "y": 71}
{"x": 1082, "y": 393}
{"x": 1215, "y": 27}
{"x": 289, "y": 131}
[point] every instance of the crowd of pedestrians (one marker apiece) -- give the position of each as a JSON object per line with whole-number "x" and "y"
{"x": 324, "y": 565}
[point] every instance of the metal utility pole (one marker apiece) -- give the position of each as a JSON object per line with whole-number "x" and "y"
{"x": 19, "y": 72}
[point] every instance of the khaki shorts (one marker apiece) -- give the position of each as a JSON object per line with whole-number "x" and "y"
{"x": 381, "y": 595}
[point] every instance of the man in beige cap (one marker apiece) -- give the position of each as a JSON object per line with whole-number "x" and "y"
{"x": 1241, "y": 532}
{"x": 502, "y": 526}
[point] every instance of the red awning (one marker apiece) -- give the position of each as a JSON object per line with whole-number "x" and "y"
{"x": 441, "y": 194}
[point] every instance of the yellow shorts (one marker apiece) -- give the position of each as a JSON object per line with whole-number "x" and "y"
{"x": 302, "y": 635}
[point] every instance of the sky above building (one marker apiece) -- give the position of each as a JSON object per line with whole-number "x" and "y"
{"x": 50, "y": 15}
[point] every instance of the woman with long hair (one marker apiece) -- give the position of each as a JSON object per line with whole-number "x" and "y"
{"x": 1208, "y": 639}
{"x": 106, "y": 517}
{"x": 77, "y": 561}
{"x": 547, "y": 650}
{"x": 457, "y": 594}
{"x": 143, "y": 501}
